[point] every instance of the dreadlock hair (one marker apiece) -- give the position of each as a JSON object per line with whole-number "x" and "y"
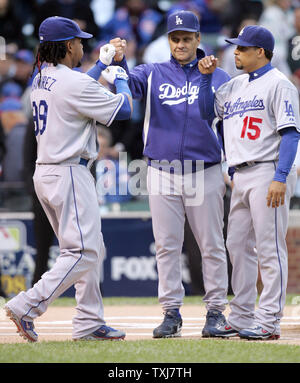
{"x": 50, "y": 52}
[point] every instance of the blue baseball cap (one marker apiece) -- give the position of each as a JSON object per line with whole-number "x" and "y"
{"x": 11, "y": 89}
{"x": 183, "y": 21}
{"x": 25, "y": 55}
{"x": 10, "y": 104}
{"x": 254, "y": 36}
{"x": 58, "y": 28}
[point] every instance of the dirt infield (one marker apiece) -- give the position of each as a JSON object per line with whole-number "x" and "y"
{"x": 138, "y": 322}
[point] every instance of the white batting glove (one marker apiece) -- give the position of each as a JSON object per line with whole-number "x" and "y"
{"x": 107, "y": 53}
{"x": 113, "y": 73}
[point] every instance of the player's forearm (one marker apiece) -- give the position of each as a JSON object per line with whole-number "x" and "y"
{"x": 96, "y": 70}
{"x": 287, "y": 153}
{"x": 126, "y": 109}
{"x": 138, "y": 78}
{"x": 206, "y": 97}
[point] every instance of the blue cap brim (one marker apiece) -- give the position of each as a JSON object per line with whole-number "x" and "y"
{"x": 239, "y": 42}
{"x": 183, "y": 29}
{"x": 84, "y": 35}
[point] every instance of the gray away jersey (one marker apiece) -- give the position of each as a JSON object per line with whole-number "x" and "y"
{"x": 66, "y": 105}
{"x": 253, "y": 113}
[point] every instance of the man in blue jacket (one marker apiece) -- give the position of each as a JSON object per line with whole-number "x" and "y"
{"x": 179, "y": 146}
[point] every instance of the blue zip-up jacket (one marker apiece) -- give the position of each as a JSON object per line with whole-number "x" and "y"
{"x": 173, "y": 129}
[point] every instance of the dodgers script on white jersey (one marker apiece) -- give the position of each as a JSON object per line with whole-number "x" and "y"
{"x": 253, "y": 112}
{"x": 65, "y": 129}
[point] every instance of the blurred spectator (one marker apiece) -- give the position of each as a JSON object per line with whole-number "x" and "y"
{"x": 17, "y": 68}
{"x": 133, "y": 18}
{"x": 277, "y": 17}
{"x": 210, "y": 15}
{"x": 211, "y": 12}
{"x": 25, "y": 10}
{"x": 24, "y": 59}
{"x": 10, "y": 89}
{"x": 8, "y": 65}
{"x": 294, "y": 50}
{"x": 103, "y": 11}
{"x": 10, "y": 24}
{"x": 43, "y": 232}
{"x": 111, "y": 172}
{"x": 237, "y": 11}
{"x": 77, "y": 10}
{"x": 14, "y": 125}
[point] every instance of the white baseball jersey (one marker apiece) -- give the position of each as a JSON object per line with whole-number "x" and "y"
{"x": 66, "y": 105}
{"x": 253, "y": 112}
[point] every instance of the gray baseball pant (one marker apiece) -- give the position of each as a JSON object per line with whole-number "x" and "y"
{"x": 256, "y": 238}
{"x": 68, "y": 196}
{"x": 206, "y": 221}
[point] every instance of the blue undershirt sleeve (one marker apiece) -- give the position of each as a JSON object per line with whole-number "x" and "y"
{"x": 95, "y": 71}
{"x": 122, "y": 86}
{"x": 206, "y": 98}
{"x": 124, "y": 112}
{"x": 287, "y": 153}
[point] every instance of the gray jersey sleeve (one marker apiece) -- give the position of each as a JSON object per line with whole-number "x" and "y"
{"x": 98, "y": 103}
{"x": 286, "y": 107}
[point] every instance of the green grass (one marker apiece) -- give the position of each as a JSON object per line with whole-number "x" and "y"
{"x": 150, "y": 351}
{"x": 117, "y": 301}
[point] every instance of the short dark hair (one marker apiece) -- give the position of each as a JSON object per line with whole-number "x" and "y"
{"x": 268, "y": 54}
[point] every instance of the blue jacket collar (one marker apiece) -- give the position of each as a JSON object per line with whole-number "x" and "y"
{"x": 260, "y": 72}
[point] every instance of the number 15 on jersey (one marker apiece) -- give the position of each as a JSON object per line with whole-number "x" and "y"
{"x": 251, "y": 128}
{"x": 40, "y": 116}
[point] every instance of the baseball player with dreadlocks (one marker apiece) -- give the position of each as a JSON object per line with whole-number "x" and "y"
{"x": 260, "y": 113}
{"x": 66, "y": 104}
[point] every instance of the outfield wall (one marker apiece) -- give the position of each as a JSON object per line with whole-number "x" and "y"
{"x": 129, "y": 267}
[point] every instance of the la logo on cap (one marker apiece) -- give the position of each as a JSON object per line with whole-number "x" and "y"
{"x": 242, "y": 31}
{"x": 178, "y": 20}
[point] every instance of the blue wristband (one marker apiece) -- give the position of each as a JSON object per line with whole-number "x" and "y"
{"x": 101, "y": 65}
{"x": 95, "y": 71}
